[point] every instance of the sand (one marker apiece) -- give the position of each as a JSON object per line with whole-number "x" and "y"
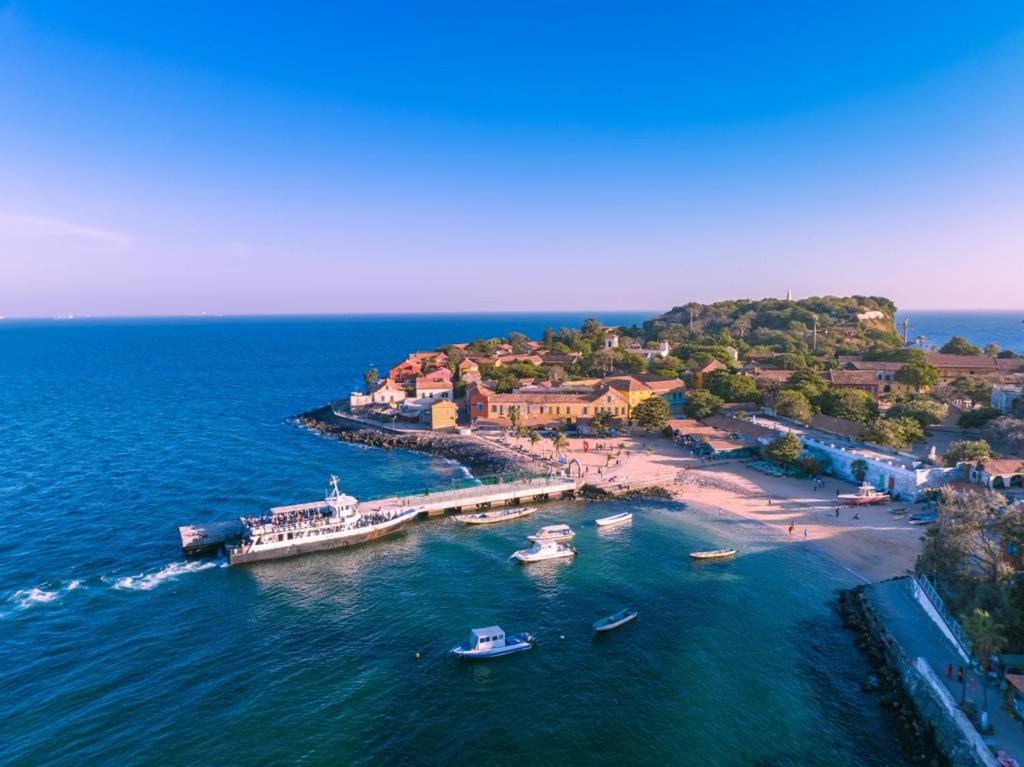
{"x": 874, "y": 547}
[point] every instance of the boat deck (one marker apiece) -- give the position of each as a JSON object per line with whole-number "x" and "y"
{"x": 196, "y": 539}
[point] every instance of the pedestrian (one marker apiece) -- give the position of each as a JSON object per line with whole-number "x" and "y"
{"x": 837, "y": 492}
{"x": 769, "y": 500}
{"x": 949, "y": 671}
{"x": 791, "y": 526}
{"x": 837, "y": 512}
{"x": 960, "y": 674}
{"x": 805, "y": 533}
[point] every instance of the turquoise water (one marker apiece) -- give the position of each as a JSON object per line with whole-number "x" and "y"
{"x": 116, "y": 651}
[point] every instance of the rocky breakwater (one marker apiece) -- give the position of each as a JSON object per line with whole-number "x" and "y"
{"x": 478, "y": 455}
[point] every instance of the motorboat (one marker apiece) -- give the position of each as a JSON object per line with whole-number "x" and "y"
{"x": 714, "y": 554}
{"x": 922, "y": 519}
{"x": 615, "y": 519}
{"x": 491, "y": 642}
{"x": 557, "y": 533}
{"x": 501, "y": 515}
{"x": 615, "y": 620}
{"x": 542, "y": 550}
{"x": 899, "y": 512}
{"x": 866, "y": 495}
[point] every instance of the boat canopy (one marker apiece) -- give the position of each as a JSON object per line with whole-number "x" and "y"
{"x": 483, "y": 637}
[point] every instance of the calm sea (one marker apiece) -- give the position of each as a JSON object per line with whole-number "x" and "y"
{"x": 116, "y": 651}
{"x": 980, "y": 328}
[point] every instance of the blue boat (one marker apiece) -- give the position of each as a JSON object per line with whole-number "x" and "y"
{"x": 491, "y": 642}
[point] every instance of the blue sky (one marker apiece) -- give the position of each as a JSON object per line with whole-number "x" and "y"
{"x": 239, "y": 158}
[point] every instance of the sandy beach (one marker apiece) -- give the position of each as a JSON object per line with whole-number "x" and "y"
{"x": 873, "y": 547}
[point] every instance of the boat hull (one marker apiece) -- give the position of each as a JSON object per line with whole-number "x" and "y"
{"x": 704, "y": 556}
{"x": 308, "y": 547}
{"x": 600, "y": 628}
{"x": 496, "y": 652}
{"x": 612, "y": 521}
{"x": 859, "y": 500}
{"x": 477, "y": 519}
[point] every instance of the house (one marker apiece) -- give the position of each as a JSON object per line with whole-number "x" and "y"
{"x": 864, "y": 380}
{"x": 955, "y": 365}
{"x": 885, "y": 372}
{"x": 441, "y": 374}
{"x": 537, "y": 408}
{"x": 611, "y": 338}
{"x": 427, "y": 388}
{"x": 841, "y": 427}
{"x": 415, "y": 364}
{"x": 639, "y": 388}
{"x": 441, "y": 414}
{"x": 766, "y": 378}
{"x": 710, "y": 441}
{"x": 559, "y": 358}
{"x": 1004, "y": 397}
{"x": 733, "y": 352}
{"x": 467, "y": 366}
{"x": 739, "y": 428}
{"x": 711, "y": 367}
{"x": 649, "y": 354}
{"x": 995, "y": 473}
{"x": 387, "y": 392}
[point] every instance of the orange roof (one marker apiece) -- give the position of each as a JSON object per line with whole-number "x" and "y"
{"x": 429, "y": 383}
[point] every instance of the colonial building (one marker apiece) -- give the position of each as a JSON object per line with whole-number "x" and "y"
{"x": 995, "y": 473}
{"x": 387, "y": 392}
{"x": 427, "y": 388}
{"x": 441, "y": 414}
{"x": 537, "y": 408}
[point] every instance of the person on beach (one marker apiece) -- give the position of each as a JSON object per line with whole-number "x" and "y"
{"x": 960, "y": 674}
{"x": 791, "y": 528}
{"x": 805, "y": 533}
{"x": 837, "y": 512}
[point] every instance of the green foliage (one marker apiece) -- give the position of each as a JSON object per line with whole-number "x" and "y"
{"x": 970, "y": 389}
{"x": 808, "y": 383}
{"x": 918, "y": 374}
{"x": 370, "y": 378}
{"x": 810, "y": 466}
{"x": 895, "y": 433}
{"x": 732, "y": 387}
{"x": 991, "y": 350}
{"x": 602, "y": 421}
{"x": 975, "y": 419}
{"x": 925, "y": 411}
{"x": 960, "y": 345}
{"x": 859, "y": 469}
{"x": 786, "y": 450}
{"x": 851, "y": 404}
{"x": 972, "y": 450}
{"x": 668, "y": 367}
{"x": 652, "y": 413}
{"x": 701, "y": 404}
{"x": 791, "y": 403}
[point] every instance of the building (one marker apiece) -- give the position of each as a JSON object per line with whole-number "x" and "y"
{"x": 649, "y": 354}
{"x": 415, "y": 364}
{"x": 441, "y": 414}
{"x": 995, "y": 473}
{"x": 884, "y": 372}
{"x": 864, "y": 380}
{"x": 1004, "y": 397}
{"x": 611, "y": 339}
{"x": 387, "y": 392}
{"x": 427, "y": 388}
{"x": 955, "y": 365}
{"x": 711, "y": 367}
{"x": 639, "y": 388}
{"x": 548, "y": 408}
{"x": 440, "y": 374}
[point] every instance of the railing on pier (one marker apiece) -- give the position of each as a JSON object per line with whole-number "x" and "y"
{"x": 469, "y": 487}
{"x": 929, "y": 590}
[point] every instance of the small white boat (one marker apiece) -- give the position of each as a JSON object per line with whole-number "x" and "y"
{"x": 501, "y": 515}
{"x": 615, "y": 620}
{"x": 542, "y": 550}
{"x": 714, "y": 554}
{"x": 866, "y": 495}
{"x": 491, "y": 642}
{"x": 615, "y": 519}
{"x": 558, "y": 533}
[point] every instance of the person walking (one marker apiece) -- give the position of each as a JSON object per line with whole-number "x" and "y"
{"x": 949, "y": 671}
{"x": 805, "y": 533}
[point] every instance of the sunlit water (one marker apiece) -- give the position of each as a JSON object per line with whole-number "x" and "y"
{"x": 115, "y": 650}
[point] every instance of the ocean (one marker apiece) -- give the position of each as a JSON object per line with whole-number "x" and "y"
{"x": 115, "y": 650}
{"x": 1005, "y": 328}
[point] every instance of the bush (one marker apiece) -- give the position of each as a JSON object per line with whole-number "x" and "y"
{"x": 785, "y": 450}
{"x": 702, "y": 404}
{"x": 967, "y": 450}
{"x": 975, "y": 419}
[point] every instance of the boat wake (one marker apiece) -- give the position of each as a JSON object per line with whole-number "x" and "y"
{"x": 22, "y": 599}
{"x": 149, "y": 581}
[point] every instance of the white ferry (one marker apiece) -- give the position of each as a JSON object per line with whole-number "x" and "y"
{"x": 288, "y": 531}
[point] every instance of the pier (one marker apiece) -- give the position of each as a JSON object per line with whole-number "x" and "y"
{"x": 469, "y": 495}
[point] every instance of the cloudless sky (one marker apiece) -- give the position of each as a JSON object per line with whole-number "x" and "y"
{"x": 186, "y": 157}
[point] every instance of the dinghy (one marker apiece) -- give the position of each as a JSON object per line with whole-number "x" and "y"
{"x": 615, "y": 620}
{"x": 501, "y": 515}
{"x": 557, "y": 533}
{"x": 716, "y": 554}
{"x": 491, "y": 642}
{"x": 615, "y": 519}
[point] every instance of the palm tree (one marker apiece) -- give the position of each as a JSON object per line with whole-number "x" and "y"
{"x": 514, "y": 416}
{"x": 534, "y": 438}
{"x": 986, "y": 638}
{"x": 559, "y": 443}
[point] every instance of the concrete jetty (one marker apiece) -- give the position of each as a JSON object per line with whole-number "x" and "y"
{"x": 491, "y": 491}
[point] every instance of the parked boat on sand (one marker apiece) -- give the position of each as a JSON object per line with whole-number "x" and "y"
{"x": 542, "y": 550}
{"x": 866, "y": 495}
{"x": 922, "y": 519}
{"x": 615, "y": 620}
{"x": 615, "y": 519}
{"x": 491, "y": 642}
{"x": 714, "y": 554}
{"x": 557, "y": 533}
{"x": 501, "y": 515}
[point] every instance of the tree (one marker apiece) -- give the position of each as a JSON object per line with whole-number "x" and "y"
{"x": 732, "y": 387}
{"x": 514, "y": 417}
{"x": 896, "y": 433}
{"x": 808, "y": 383}
{"x": 859, "y": 469}
{"x": 602, "y": 421}
{"x": 851, "y": 404}
{"x": 785, "y": 450}
{"x": 652, "y": 413}
{"x": 370, "y": 378}
{"x": 701, "y": 404}
{"x": 791, "y": 403}
{"x": 918, "y": 374}
{"x": 559, "y": 443}
{"x": 986, "y": 638}
{"x": 972, "y": 450}
{"x": 961, "y": 346}
{"x": 968, "y": 389}
{"x": 991, "y": 350}
{"x": 534, "y": 438}
{"x": 926, "y": 412}
{"x": 975, "y": 419}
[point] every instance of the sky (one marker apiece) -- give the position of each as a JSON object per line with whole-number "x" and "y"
{"x": 250, "y": 158}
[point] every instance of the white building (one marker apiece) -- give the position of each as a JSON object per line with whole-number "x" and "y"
{"x": 387, "y": 392}
{"x": 1003, "y": 397}
{"x": 427, "y": 388}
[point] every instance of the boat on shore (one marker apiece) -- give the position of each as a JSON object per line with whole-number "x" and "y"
{"x": 332, "y": 523}
{"x": 557, "y": 533}
{"x": 866, "y": 495}
{"x": 543, "y": 550}
{"x": 491, "y": 642}
{"x": 615, "y": 620}
{"x": 615, "y": 519}
{"x": 922, "y": 519}
{"x": 500, "y": 515}
{"x": 713, "y": 554}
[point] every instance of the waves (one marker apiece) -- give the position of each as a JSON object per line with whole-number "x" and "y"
{"x": 149, "y": 581}
{"x": 23, "y": 599}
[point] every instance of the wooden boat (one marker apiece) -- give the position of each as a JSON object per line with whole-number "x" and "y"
{"x": 557, "y": 533}
{"x": 542, "y": 550}
{"x": 615, "y": 519}
{"x": 899, "y": 513}
{"x": 715, "y": 554}
{"x": 491, "y": 642}
{"x": 501, "y": 515}
{"x": 615, "y": 620}
{"x": 922, "y": 519}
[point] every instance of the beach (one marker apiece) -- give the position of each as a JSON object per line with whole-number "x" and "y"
{"x": 873, "y": 547}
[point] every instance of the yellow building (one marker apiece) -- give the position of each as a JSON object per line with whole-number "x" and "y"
{"x": 636, "y": 390}
{"x": 443, "y": 414}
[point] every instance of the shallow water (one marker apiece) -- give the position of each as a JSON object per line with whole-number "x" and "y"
{"x": 115, "y": 650}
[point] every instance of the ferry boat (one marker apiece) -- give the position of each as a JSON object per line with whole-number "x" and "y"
{"x": 491, "y": 642}
{"x": 332, "y": 523}
{"x": 615, "y": 519}
{"x": 557, "y": 533}
{"x": 866, "y": 495}
{"x": 542, "y": 550}
{"x": 501, "y": 515}
{"x": 714, "y": 554}
{"x": 614, "y": 621}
